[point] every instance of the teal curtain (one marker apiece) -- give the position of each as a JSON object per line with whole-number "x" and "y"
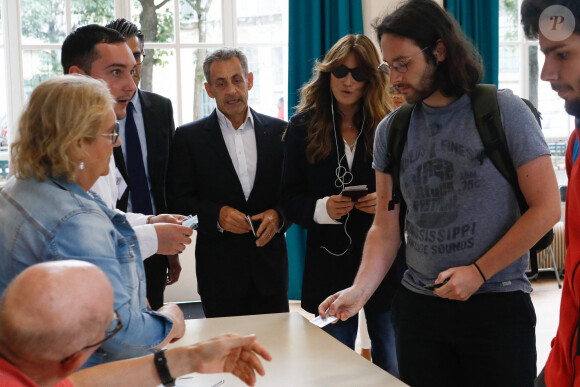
{"x": 480, "y": 22}
{"x": 315, "y": 25}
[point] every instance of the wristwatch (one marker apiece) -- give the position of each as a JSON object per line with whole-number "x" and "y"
{"x": 162, "y": 370}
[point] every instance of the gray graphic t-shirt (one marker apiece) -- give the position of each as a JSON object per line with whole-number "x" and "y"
{"x": 458, "y": 204}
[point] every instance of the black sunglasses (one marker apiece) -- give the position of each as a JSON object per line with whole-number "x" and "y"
{"x": 357, "y": 73}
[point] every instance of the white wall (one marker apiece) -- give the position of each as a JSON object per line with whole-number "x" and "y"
{"x": 186, "y": 288}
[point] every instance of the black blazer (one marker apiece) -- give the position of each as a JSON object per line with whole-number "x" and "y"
{"x": 302, "y": 185}
{"x": 201, "y": 179}
{"x": 159, "y": 130}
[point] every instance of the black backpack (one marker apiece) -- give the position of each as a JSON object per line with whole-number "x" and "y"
{"x": 488, "y": 121}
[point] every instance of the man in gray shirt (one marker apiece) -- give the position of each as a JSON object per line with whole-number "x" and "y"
{"x": 463, "y": 223}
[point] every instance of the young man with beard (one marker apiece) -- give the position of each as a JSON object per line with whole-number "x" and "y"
{"x": 464, "y": 230}
{"x": 560, "y": 42}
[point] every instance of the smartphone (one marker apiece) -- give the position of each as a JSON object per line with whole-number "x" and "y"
{"x": 355, "y": 192}
{"x": 436, "y": 286}
{"x": 254, "y": 225}
{"x": 190, "y": 221}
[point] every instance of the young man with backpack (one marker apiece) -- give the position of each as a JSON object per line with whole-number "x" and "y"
{"x": 463, "y": 315}
{"x": 559, "y": 40}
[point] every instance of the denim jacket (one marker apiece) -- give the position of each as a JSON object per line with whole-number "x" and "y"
{"x": 56, "y": 219}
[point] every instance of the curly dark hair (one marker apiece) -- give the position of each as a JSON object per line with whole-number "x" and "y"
{"x": 426, "y": 23}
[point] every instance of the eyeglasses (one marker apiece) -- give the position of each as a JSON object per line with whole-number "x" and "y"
{"x": 108, "y": 335}
{"x": 139, "y": 57}
{"x": 399, "y": 65}
{"x": 115, "y": 135}
{"x": 357, "y": 73}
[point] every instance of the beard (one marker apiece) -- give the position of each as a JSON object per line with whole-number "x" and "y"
{"x": 426, "y": 87}
{"x": 573, "y": 107}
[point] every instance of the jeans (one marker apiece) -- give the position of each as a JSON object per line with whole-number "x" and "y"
{"x": 488, "y": 340}
{"x": 381, "y": 332}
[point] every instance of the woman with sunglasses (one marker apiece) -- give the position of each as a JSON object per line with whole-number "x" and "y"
{"x": 66, "y": 136}
{"x": 328, "y": 147}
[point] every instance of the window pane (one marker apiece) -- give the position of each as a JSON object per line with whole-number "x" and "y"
{"x": 508, "y": 20}
{"x": 261, "y": 21}
{"x": 92, "y": 12}
{"x": 509, "y": 68}
{"x": 200, "y": 21}
{"x": 160, "y": 76}
{"x": 195, "y": 101}
{"x": 39, "y": 65}
{"x": 156, "y": 24}
{"x": 43, "y": 21}
{"x": 1, "y": 29}
{"x": 269, "y": 66}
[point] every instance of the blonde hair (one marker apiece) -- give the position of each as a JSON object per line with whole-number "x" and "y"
{"x": 60, "y": 111}
{"x": 315, "y": 97}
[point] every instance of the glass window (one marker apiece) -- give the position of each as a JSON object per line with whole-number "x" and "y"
{"x": 91, "y": 12}
{"x": 39, "y": 65}
{"x": 178, "y": 36}
{"x": 508, "y": 21}
{"x": 509, "y": 68}
{"x": 200, "y": 21}
{"x": 520, "y": 66}
{"x": 194, "y": 105}
{"x": 267, "y": 64}
{"x": 43, "y": 21}
{"x": 261, "y": 21}
{"x": 156, "y": 21}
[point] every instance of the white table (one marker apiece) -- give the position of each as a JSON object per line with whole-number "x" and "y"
{"x": 302, "y": 354}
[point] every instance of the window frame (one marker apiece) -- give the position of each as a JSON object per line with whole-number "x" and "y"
{"x": 524, "y": 76}
{"x": 14, "y": 49}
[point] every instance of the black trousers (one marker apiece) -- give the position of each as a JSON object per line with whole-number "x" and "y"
{"x": 253, "y": 302}
{"x": 156, "y": 277}
{"x": 488, "y": 340}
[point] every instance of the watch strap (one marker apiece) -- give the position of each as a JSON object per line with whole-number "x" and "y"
{"x": 162, "y": 370}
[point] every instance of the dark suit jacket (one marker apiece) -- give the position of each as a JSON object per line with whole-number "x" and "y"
{"x": 201, "y": 179}
{"x": 159, "y": 130}
{"x": 302, "y": 185}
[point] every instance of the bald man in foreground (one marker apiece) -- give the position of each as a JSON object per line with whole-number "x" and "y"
{"x": 54, "y": 315}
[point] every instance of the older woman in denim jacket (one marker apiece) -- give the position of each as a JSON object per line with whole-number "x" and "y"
{"x": 66, "y": 136}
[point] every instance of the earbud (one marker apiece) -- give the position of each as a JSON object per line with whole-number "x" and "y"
{"x": 343, "y": 175}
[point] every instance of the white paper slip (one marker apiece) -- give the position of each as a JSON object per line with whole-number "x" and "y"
{"x": 322, "y": 322}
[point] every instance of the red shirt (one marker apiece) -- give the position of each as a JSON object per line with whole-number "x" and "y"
{"x": 11, "y": 376}
{"x": 563, "y": 366}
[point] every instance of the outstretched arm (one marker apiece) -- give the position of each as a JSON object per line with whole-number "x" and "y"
{"x": 381, "y": 246}
{"x": 228, "y": 353}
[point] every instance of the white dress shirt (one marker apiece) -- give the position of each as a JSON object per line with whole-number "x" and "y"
{"x": 241, "y": 144}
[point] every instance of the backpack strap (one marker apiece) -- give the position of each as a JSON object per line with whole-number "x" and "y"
{"x": 395, "y": 145}
{"x": 488, "y": 122}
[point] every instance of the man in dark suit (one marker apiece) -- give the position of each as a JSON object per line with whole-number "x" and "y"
{"x": 223, "y": 168}
{"x": 153, "y": 118}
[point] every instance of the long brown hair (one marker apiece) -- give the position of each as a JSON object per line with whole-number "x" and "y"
{"x": 315, "y": 97}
